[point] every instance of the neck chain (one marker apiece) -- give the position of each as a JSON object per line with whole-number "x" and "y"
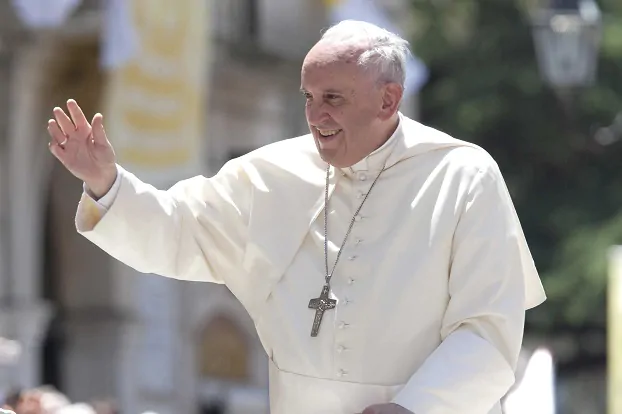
{"x": 323, "y": 303}
{"x": 330, "y": 275}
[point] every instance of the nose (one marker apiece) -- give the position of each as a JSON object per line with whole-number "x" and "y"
{"x": 316, "y": 113}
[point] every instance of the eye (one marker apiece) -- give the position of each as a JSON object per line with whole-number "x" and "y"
{"x": 333, "y": 99}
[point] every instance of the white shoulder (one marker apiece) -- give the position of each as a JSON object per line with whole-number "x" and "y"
{"x": 302, "y": 145}
{"x": 293, "y": 155}
{"x": 467, "y": 162}
{"x": 471, "y": 157}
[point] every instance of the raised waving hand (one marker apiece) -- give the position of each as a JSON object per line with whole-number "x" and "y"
{"x": 83, "y": 147}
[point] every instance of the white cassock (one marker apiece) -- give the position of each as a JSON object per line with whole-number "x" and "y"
{"x": 431, "y": 288}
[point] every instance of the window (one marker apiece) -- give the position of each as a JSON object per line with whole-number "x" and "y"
{"x": 224, "y": 351}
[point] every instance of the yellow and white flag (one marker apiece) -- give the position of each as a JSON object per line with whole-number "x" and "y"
{"x": 155, "y": 105}
{"x": 369, "y": 11}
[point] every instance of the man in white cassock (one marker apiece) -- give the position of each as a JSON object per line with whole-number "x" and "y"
{"x": 382, "y": 261}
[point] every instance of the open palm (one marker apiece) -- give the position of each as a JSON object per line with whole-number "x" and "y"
{"x": 83, "y": 147}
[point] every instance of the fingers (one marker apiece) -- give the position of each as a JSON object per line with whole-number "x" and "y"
{"x": 66, "y": 126}
{"x": 66, "y": 133}
{"x": 57, "y": 144}
{"x": 58, "y": 137}
{"x": 99, "y": 134}
{"x": 76, "y": 127}
{"x": 57, "y": 151}
{"x": 79, "y": 120}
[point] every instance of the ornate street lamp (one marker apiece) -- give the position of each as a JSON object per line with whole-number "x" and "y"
{"x": 567, "y": 38}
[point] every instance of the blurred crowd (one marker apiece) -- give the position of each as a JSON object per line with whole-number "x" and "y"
{"x": 48, "y": 400}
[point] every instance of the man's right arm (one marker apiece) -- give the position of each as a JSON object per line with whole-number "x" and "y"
{"x": 194, "y": 231}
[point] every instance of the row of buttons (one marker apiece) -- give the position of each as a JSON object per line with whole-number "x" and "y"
{"x": 342, "y": 325}
{"x": 361, "y": 176}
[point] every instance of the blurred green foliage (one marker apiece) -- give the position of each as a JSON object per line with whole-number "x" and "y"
{"x": 485, "y": 87}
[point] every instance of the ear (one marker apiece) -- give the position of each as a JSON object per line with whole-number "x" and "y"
{"x": 391, "y": 97}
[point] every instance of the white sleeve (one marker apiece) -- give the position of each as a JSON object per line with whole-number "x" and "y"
{"x": 94, "y": 209}
{"x": 492, "y": 281}
{"x": 106, "y": 201}
{"x": 196, "y": 230}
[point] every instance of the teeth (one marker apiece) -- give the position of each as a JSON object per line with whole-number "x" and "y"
{"x": 328, "y": 132}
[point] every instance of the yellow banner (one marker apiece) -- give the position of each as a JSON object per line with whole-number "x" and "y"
{"x": 614, "y": 332}
{"x": 155, "y": 103}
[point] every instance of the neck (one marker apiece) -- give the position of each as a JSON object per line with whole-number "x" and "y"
{"x": 387, "y": 131}
{"x": 384, "y": 131}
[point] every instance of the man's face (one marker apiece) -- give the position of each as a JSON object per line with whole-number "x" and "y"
{"x": 345, "y": 105}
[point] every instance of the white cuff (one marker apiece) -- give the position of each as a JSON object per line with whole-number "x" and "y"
{"x": 106, "y": 201}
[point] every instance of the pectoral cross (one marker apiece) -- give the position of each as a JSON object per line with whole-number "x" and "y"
{"x": 321, "y": 304}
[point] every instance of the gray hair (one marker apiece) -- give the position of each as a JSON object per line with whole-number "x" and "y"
{"x": 385, "y": 52}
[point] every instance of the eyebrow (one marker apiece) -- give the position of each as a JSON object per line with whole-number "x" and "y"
{"x": 335, "y": 91}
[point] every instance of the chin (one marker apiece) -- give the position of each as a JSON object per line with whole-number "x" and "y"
{"x": 330, "y": 155}
{"x": 335, "y": 162}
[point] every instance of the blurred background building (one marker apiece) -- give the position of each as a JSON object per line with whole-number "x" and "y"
{"x": 186, "y": 85}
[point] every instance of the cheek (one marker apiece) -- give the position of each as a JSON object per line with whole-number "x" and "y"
{"x": 356, "y": 122}
{"x": 339, "y": 116}
{"x": 358, "y": 117}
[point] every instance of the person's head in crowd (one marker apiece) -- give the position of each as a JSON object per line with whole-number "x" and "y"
{"x": 41, "y": 400}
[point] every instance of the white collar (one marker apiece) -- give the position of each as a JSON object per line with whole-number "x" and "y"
{"x": 377, "y": 159}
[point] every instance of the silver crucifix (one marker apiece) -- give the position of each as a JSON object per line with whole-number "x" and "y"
{"x": 321, "y": 304}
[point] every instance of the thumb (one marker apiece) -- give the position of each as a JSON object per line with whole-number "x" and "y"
{"x": 99, "y": 134}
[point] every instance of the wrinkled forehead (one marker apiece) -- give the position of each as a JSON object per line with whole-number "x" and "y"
{"x": 326, "y": 51}
{"x": 333, "y": 66}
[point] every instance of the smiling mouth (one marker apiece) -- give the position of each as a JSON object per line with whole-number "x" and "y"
{"x": 326, "y": 133}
